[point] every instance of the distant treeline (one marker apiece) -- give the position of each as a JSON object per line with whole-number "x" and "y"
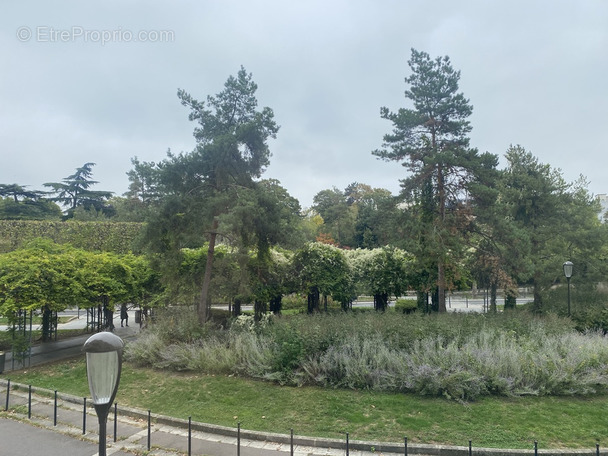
{"x": 118, "y": 237}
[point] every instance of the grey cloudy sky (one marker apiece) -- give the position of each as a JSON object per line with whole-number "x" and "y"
{"x": 535, "y": 72}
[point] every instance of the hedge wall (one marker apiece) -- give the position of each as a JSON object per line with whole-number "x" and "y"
{"x": 115, "y": 237}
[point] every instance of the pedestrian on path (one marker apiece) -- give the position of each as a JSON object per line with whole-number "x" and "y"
{"x": 124, "y": 315}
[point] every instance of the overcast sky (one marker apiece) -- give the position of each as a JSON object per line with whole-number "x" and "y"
{"x": 534, "y": 71}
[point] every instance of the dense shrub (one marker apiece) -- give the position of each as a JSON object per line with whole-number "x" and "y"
{"x": 589, "y": 306}
{"x": 406, "y": 305}
{"x": 458, "y": 356}
{"x": 294, "y": 301}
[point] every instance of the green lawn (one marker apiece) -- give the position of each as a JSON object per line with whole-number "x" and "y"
{"x": 555, "y": 422}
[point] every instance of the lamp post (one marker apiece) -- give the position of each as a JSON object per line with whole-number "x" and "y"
{"x": 104, "y": 364}
{"x": 568, "y": 266}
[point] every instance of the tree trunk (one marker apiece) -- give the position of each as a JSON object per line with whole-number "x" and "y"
{"x": 440, "y": 261}
{"x": 441, "y": 286}
{"x": 422, "y": 299}
{"x": 313, "y": 300}
{"x": 347, "y": 305}
{"x": 236, "y": 307}
{"x": 381, "y": 302}
{"x": 204, "y": 304}
{"x": 435, "y": 300}
{"x": 46, "y": 324}
{"x": 276, "y": 303}
{"x": 538, "y": 300}
{"x": 536, "y": 278}
{"x": 493, "y": 291}
{"x": 259, "y": 309}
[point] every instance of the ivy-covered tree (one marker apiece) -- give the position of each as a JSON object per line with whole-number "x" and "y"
{"x": 271, "y": 217}
{"x": 322, "y": 269}
{"x": 74, "y": 191}
{"x": 183, "y": 283}
{"x": 382, "y": 272}
{"x": 431, "y": 140}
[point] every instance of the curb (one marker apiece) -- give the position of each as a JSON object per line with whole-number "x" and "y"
{"x": 318, "y": 442}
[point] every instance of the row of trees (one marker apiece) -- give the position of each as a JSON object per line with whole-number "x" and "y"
{"x": 48, "y": 277}
{"x": 459, "y": 216}
{"x": 317, "y": 271}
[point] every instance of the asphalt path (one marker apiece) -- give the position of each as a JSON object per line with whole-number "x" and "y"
{"x": 66, "y": 348}
{"x": 19, "y": 438}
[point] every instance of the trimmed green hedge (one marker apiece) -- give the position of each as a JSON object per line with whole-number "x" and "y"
{"x": 118, "y": 237}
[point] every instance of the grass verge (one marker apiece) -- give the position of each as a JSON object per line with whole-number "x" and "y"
{"x": 555, "y": 422}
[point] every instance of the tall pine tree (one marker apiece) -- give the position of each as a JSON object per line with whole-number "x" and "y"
{"x": 431, "y": 140}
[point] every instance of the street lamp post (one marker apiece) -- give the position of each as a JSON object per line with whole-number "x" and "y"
{"x": 568, "y": 267}
{"x": 104, "y": 364}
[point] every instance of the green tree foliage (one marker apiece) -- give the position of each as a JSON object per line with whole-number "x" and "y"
{"x": 135, "y": 205}
{"x": 377, "y": 213}
{"x": 431, "y": 140}
{"x": 74, "y": 191}
{"x": 202, "y": 189}
{"x": 381, "y": 272}
{"x": 40, "y": 275}
{"x": 142, "y": 181}
{"x": 17, "y": 203}
{"x": 323, "y": 270}
{"x": 358, "y": 217}
{"x": 51, "y": 277}
{"x": 183, "y": 283}
{"x": 554, "y": 221}
{"x": 271, "y": 217}
{"x": 338, "y": 216}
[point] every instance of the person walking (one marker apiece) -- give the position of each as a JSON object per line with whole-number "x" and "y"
{"x": 124, "y": 315}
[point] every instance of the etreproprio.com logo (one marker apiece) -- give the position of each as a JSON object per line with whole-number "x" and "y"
{"x": 48, "y": 34}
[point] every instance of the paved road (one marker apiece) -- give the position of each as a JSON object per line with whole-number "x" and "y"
{"x": 19, "y": 438}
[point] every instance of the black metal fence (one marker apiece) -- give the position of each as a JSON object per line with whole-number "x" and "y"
{"x": 346, "y": 444}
